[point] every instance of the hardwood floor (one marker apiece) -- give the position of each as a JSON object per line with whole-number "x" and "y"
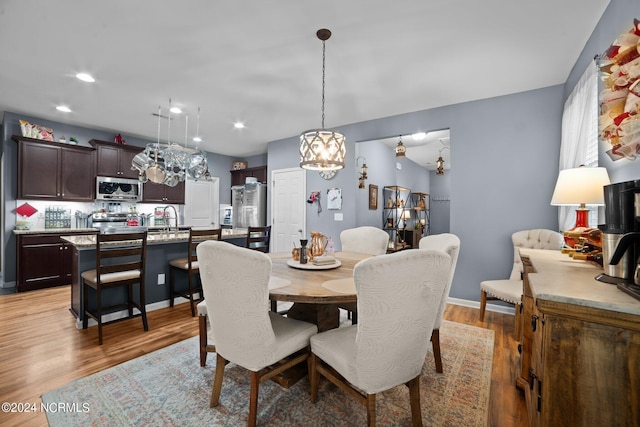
{"x": 41, "y": 349}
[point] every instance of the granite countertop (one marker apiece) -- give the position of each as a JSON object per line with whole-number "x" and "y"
{"x": 153, "y": 237}
{"x": 55, "y": 230}
{"x": 561, "y": 278}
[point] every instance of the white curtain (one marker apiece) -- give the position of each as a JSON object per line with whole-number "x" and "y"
{"x": 579, "y": 116}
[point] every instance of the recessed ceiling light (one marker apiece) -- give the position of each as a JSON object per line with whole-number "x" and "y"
{"x": 175, "y": 110}
{"x": 197, "y": 139}
{"x": 238, "y": 125}
{"x": 85, "y": 77}
{"x": 63, "y": 108}
{"x": 419, "y": 136}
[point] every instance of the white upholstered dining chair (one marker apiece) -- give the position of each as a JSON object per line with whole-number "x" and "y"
{"x": 510, "y": 290}
{"x": 246, "y": 332}
{"x": 388, "y": 346}
{"x": 449, "y": 243}
{"x": 365, "y": 240}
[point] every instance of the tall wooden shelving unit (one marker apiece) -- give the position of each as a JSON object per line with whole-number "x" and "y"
{"x": 397, "y": 201}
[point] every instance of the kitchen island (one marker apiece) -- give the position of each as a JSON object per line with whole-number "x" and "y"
{"x": 162, "y": 246}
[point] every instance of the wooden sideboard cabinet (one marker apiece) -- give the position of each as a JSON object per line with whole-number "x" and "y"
{"x": 580, "y": 362}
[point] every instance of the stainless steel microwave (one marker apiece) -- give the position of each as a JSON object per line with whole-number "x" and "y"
{"x": 118, "y": 189}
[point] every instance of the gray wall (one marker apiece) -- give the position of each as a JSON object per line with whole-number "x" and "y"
{"x": 440, "y": 212}
{"x": 506, "y": 155}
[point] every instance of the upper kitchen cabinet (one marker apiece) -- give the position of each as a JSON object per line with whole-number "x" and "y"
{"x": 54, "y": 171}
{"x": 115, "y": 159}
{"x": 239, "y": 176}
{"x": 160, "y": 193}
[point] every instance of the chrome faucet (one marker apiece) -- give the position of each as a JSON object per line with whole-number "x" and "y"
{"x": 166, "y": 218}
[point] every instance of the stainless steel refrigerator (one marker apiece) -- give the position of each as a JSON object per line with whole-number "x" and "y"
{"x": 249, "y": 204}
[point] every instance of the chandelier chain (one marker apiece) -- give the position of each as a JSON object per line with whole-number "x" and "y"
{"x": 323, "y": 60}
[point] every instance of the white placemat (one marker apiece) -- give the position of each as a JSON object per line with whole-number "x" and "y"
{"x": 276, "y": 282}
{"x": 311, "y": 266}
{"x": 343, "y": 286}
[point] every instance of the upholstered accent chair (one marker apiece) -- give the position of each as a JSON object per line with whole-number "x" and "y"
{"x": 510, "y": 290}
{"x": 235, "y": 282}
{"x": 120, "y": 262}
{"x": 365, "y": 240}
{"x": 389, "y": 344}
{"x": 449, "y": 243}
{"x": 189, "y": 265}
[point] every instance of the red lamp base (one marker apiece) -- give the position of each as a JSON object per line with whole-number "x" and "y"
{"x": 582, "y": 224}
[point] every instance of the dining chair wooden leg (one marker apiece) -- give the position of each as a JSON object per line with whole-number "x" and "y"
{"x": 253, "y": 399}
{"x": 191, "y": 297}
{"x": 217, "y": 381}
{"x": 313, "y": 377}
{"x": 435, "y": 343}
{"x": 99, "y": 308}
{"x": 371, "y": 410}
{"x": 483, "y": 304}
{"x": 414, "y": 398}
{"x": 143, "y": 308}
{"x": 202, "y": 330}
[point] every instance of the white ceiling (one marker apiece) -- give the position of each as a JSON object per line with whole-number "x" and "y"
{"x": 259, "y": 61}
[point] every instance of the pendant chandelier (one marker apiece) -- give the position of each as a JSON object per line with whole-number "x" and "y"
{"x": 401, "y": 150}
{"x": 440, "y": 166}
{"x": 169, "y": 163}
{"x": 322, "y": 149}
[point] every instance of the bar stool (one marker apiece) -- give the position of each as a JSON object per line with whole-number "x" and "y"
{"x": 189, "y": 264}
{"x": 258, "y": 238}
{"x": 120, "y": 262}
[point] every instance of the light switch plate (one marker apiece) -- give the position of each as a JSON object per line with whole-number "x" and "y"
{"x": 337, "y": 216}
{"x": 160, "y": 279}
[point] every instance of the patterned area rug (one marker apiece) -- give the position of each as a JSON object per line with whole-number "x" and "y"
{"x": 169, "y": 388}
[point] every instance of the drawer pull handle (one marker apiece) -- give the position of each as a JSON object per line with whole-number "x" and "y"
{"x": 534, "y": 322}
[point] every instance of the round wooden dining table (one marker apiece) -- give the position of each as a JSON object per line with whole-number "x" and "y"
{"x": 314, "y": 291}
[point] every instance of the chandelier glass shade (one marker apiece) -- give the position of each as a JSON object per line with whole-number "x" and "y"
{"x": 322, "y": 149}
{"x": 170, "y": 163}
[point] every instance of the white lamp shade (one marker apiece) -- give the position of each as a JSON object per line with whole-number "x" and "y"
{"x": 579, "y": 186}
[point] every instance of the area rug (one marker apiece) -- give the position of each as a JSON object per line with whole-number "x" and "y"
{"x": 169, "y": 388}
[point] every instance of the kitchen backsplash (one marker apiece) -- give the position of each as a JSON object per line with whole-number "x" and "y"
{"x": 63, "y": 214}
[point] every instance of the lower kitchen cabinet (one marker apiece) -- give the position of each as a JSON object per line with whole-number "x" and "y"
{"x": 43, "y": 261}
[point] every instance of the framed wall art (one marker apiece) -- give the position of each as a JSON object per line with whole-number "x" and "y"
{"x": 373, "y": 197}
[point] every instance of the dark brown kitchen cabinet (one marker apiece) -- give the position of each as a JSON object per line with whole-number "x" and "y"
{"x": 43, "y": 261}
{"x": 160, "y": 193}
{"x": 238, "y": 177}
{"x": 115, "y": 159}
{"x": 54, "y": 171}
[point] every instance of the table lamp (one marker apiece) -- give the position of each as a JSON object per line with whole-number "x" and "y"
{"x": 406, "y": 214}
{"x": 580, "y": 187}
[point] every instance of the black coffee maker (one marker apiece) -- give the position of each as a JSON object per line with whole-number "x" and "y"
{"x": 621, "y": 236}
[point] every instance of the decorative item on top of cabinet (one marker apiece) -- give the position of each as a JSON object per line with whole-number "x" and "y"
{"x": 115, "y": 159}
{"x": 238, "y": 165}
{"x": 239, "y": 176}
{"x": 68, "y": 170}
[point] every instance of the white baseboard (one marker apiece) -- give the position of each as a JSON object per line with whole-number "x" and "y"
{"x": 7, "y": 285}
{"x": 476, "y": 304}
{"x": 116, "y": 315}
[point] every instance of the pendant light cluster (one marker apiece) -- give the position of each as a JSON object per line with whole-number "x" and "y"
{"x": 169, "y": 163}
{"x": 322, "y": 149}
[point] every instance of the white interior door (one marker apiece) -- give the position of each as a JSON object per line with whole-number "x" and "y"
{"x": 202, "y": 203}
{"x": 288, "y": 214}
